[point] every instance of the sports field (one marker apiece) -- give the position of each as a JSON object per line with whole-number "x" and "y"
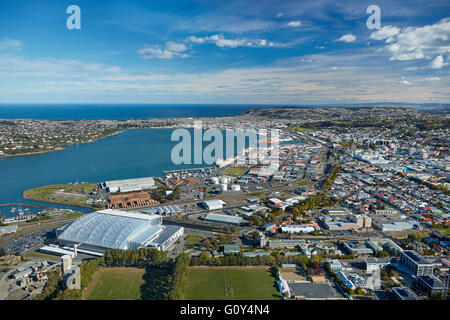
{"x": 116, "y": 284}
{"x": 229, "y": 283}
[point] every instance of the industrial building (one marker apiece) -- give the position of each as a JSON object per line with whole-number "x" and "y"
{"x": 212, "y": 204}
{"x": 163, "y": 210}
{"x": 8, "y": 229}
{"x": 128, "y": 185}
{"x": 416, "y": 263}
{"x": 223, "y": 218}
{"x": 115, "y": 229}
{"x": 399, "y": 226}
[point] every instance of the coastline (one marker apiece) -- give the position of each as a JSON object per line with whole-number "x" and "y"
{"x": 56, "y": 149}
{"x": 30, "y": 153}
{"x": 58, "y": 202}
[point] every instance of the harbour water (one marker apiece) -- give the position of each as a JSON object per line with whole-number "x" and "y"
{"x": 129, "y": 154}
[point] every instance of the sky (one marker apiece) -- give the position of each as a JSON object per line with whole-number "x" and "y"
{"x": 228, "y": 52}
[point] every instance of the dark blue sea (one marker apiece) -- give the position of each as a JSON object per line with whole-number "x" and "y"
{"x": 119, "y": 111}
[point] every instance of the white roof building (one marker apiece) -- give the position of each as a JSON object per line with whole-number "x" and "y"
{"x": 212, "y": 204}
{"x": 127, "y": 185}
{"x": 116, "y": 229}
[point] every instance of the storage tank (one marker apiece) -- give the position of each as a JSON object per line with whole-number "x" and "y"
{"x": 214, "y": 180}
{"x": 224, "y": 187}
{"x": 236, "y": 187}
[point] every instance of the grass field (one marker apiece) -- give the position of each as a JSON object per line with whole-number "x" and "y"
{"x": 302, "y": 129}
{"x": 442, "y": 229}
{"x": 70, "y": 193}
{"x": 40, "y": 255}
{"x": 116, "y": 284}
{"x": 193, "y": 238}
{"x": 236, "y": 171}
{"x": 230, "y": 283}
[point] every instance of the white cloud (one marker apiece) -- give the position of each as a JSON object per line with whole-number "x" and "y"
{"x": 437, "y": 63}
{"x": 176, "y": 47}
{"x": 170, "y": 51}
{"x": 10, "y": 44}
{"x": 279, "y": 15}
{"x": 348, "y": 37}
{"x": 220, "y": 41}
{"x": 194, "y": 39}
{"x": 294, "y": 24}
{"x": 432, "y": 79}
{"x": 405, "y": 82}
{"x": 308, "y": 78}
{"x": 415, "y": 43}
{"x": 386, "y": 33}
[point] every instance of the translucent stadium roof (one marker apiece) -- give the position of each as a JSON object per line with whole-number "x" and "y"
{"x": 108, "y": 230}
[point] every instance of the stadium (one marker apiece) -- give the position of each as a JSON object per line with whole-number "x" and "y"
{"x": 116, "y": 229}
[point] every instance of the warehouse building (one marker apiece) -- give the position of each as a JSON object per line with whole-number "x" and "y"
{"x": 115, "y": 229}
{"x": 163, "y": 210}
{"x": 212, "y": 204}
{"x": 223, "y": 218}
{"x": 8, "y": 229}
{"x": 128, "y": 185}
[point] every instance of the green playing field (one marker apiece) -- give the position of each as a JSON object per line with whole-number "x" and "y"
{"x": 223, "y": 283}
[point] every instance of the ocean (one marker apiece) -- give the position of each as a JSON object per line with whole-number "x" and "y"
{"x": 119, "y": 111}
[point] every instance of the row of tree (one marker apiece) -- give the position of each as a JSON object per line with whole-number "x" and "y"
{"x": 274, "y": 259}
{"x": 179, "y": 277}
{"x": 328, "y": 182}
{"x": 139, "y": 258}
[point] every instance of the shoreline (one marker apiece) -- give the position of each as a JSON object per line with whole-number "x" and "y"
{"x": 30, "y": 153}
{"x": 57, "y": 148}
{"x": 58, "y": 202}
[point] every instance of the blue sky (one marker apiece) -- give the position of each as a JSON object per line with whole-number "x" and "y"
{"x": 261, "y": 52}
